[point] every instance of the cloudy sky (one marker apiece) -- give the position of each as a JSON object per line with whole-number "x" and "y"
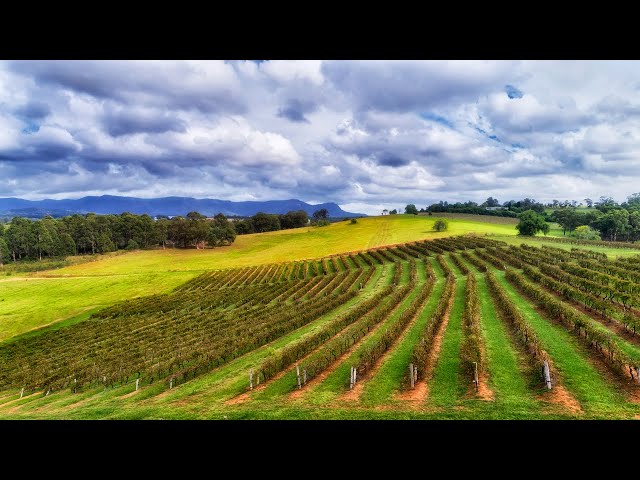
{"x": 365, "y": 134}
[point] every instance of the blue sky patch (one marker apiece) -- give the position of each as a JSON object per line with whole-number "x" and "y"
{"x": 513, "y": 92}
{"x": 437, "y": 118}
{"x": 31, "y": 128}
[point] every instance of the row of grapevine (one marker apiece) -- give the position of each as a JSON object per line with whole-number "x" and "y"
{"x": 444, "y": 265}
{"x": 460, "y": 264}
{"x": 471, "y": 355}
{"x": 593, "y": 243}
{"x": 473, "y": 260}
{"x": 422, "y": 349}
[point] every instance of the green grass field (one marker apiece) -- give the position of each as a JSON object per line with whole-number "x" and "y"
{"x": 36, "y": 303}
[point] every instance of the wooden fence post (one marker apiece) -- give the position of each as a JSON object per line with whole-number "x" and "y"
{"x": 475, "y": 375}
{"x": 298, "y": 375}
{"x": 137, "y": 383}
{"x": 415, "y": 374}
{"x": 21, "y": 392}
{"x": 411, "y": 375}
{"x": 638, "y": 374}
{"x": 251, "y": 379}
{"x": 304, "y": 376}
{"x": 547, "y": 375}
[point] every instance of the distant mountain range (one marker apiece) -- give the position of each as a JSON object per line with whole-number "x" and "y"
{"x": 106, "y": 204}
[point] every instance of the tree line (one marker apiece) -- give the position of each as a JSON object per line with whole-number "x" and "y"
{"x": 25, "y": 239}
{"x": 604, "y": 219}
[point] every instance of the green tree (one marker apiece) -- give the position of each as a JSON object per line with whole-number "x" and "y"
{"x": 132, "y": 245}
{"x": 492, "y": 202}
{"x": 104, "y": 243}
{"x": 612, "y": 224}
{"x": 589, "y": 202}
{"x": 4, "y": 252}
{"x": 161, "y": 231}
{"x": 294, "y": 219}
{"x": 177, "y": 231}
{"x": 197, "y": 229}
{"x": 585, "y": 232}
{"x": 393, "y": 212}
{"x": 20, "y": 238}
{"x": 65, "y": 245}
{"x": 265, "y": 222}
{"x": 531, "y": 223}
{"x": 440, "y": 225}
{"x": 411, "y": 209}
{"x": 43, "y": 240}
{"x": 244, "y": 227}
{"x": 220, "y": 235}
{"x": 322, "y": 213}
{"x": 568, "y": 219}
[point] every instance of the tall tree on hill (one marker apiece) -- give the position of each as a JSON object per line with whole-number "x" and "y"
{"x": 161, "y": 231}
{"x": 323, "y": 213}
{"x": 197, "y": 229}
{"x": 531, "y": 223}
{"x": 294, "y": 219}
{"x": 492, "y": 202}
{"x": 20, "y": 238}
{"x": 569, "y": 219}
{"x": 411, "y": 209}
{"x": 265, "y": 222}
{"x": 43, "y": 239}
{"x": 4, "y": 252}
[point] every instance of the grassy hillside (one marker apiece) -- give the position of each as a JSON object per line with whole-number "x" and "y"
{"x": 42, "y": 298}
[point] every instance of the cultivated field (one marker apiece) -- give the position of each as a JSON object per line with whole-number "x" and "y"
{"x": 456, "y": 310}
{"x": 65, "y": 293}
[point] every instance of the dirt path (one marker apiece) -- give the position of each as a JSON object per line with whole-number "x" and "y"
{"x": 559, "y": 395}
{"x": 484, "y": 391}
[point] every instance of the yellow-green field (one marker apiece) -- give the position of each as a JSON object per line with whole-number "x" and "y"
{"x": 37, "y": 299}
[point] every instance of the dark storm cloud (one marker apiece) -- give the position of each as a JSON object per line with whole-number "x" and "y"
{"x": 177, "y": 85}
{"x": 409, "y": 85}
{"x": 390, "y": 160}
{"x": 33, "y": 110}
{"x": 295, "y": 110}
{"x": 124, "y": 122}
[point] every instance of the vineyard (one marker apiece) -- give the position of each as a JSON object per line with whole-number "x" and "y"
{"x": 457, "y": 327}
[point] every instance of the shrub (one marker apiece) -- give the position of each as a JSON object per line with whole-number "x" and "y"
{"x": 441, "y": 225}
